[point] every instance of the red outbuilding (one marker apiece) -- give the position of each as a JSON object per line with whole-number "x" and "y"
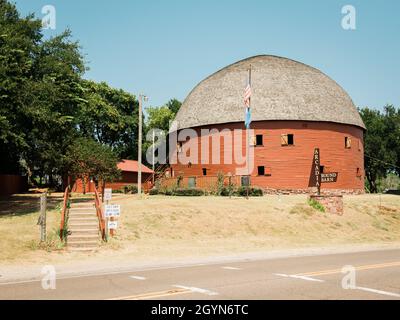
{"x": 129, "y": 176}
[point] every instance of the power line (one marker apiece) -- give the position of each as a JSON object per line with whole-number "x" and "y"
{"x": 389, "y": 164}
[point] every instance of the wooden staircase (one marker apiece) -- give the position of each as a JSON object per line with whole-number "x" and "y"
{"x": 83, "y": 227}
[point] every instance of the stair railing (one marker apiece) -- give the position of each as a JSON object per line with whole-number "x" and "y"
{"x": 64, "y": 212}
{"x": 100, "y": 214}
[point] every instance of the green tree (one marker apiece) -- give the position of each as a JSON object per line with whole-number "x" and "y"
{"x": 19, "y": 38}
{"x": 159, "y": 118}
{"x": 380, "y": 144}
{"x": 39, "y": 94}
{"x": 87, "y": 158}
{"x": 174, "y": 105}
{"x": 110, "y": 116}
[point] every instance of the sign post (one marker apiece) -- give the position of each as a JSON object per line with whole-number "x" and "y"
{"x": 112, "y": 211}
{"x": 317, "y": 170}
{"x": 329, "y": 177}
{"x": 42, "y": 217}
{"x": 107, "y": 198}
{"x": 107, "y": 195}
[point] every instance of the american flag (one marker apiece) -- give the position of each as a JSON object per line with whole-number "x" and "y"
{"x": 247, "y": 100}
{"x": 247, "y": 95}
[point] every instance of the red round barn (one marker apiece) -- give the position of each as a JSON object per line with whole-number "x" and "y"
{"x": 295, "y": 109}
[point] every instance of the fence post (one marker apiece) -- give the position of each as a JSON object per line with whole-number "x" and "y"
{"x": 43, "y": 205}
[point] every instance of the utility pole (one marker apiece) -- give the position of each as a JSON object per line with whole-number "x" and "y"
{"x": 141, "y": 98}
{"x": 154, "y": 154}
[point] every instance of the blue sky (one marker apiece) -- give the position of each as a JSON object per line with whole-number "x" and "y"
{"x": 165, "y": 47}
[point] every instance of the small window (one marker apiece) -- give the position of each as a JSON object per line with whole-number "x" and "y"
{"x": 204, "y": 171}
{"x": 359, "y": 174}
{"x": 261, "y": 170}
{"x": 359, "y": 145}
{"x": 245, "y": 181}
{"x": 192, "y": 182}
{"x": 268, "y": 171}
{"x": 347, "y": 142}
{"x": 290, "y": 139}
{"x": 322, "y": 169}
{"x": 287, "y": 139}
{"x": 259, "y": 140}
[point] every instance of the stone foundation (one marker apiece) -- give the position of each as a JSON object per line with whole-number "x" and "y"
{"x": 332, "y": 203}
{"x": 313, "y": 191}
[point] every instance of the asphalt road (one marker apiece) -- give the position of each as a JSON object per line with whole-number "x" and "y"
{"x": 377, "y": 276}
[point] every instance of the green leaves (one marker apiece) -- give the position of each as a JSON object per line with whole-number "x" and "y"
{"x": 381, "y": 143}
{"x": 87, "y": 158}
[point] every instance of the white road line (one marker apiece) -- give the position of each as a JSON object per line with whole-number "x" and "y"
{"x": 307, "y": 278}
{"x": 298, "y": 277}
{"x": 386, "y": 293}
{"x": 137, "y": 278}
{"x": 197, "y": 290}
{"x": 231, "y": 268}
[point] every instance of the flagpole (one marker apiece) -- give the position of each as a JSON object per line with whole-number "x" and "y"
{"x": 248, "y": 143}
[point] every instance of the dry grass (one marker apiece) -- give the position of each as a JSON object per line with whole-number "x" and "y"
{"x": 215, "y": 225}
{"x": 19, "y": 232}
{"x": 158, "y": 226}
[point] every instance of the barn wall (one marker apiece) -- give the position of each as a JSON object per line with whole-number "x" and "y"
{"x": 127, "y": 178}
{"x": 291, "y": 166}
{"x": 11, "y": 184}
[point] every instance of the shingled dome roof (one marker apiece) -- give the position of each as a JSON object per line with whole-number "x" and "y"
{"x": 283, "y": 89}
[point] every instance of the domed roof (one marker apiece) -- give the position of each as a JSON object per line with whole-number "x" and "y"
{"x": 283, "y": 89}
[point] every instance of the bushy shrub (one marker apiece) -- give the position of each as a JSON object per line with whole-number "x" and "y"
{"x": 220, "y": 183}
{"x": 316, "y": 205}
{"x": 118, "y": 191}
{"x": 188, "y": 192}
{"x": 131, "y": 189}
{"x": 154, "y": 192}
{"x": 253, "y": 192}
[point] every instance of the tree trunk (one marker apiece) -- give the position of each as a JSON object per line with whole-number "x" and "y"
{"x": 372, "y": 183}
{"x": 84, "y": 185}
{"x": 103, "y": 185}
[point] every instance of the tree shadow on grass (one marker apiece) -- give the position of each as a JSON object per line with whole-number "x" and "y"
{"x": 28, "y": 203}
{"x": 23, "y": 204}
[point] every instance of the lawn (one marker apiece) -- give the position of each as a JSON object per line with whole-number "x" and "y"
{"x": 215, "y": 225}
{"x": 159, "y": 226}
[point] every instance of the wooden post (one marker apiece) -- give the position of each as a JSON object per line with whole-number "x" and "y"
{"x": 42, "y": 219}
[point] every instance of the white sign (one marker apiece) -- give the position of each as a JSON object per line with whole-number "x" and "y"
{"x": 112, "y": 225}
{"x": 112, "y": 210}
{"x": 107, "y": 194}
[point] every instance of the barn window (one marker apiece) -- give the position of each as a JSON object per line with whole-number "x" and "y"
{"x": 261, "y": 170}
{"x": 347, "y": 142}
{"x": 359, "y": 172}
{"x": 259, "y": 140}
{"x": 287, "y": 139}
{"x": 268, "y": 171}
{"x": 359, "y": 145}
{"x": 245, "y": 181}
{"x": 204, "y": 171}
{"x": 322, "y": 169}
